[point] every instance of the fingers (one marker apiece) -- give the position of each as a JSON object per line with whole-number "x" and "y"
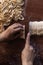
{"x": 16, "y": 25}
{"x": 18, "y": 35}
{"x": 18, "y": 29}
{"x": 28, "y": 39}
{"x": 14, "y": 28}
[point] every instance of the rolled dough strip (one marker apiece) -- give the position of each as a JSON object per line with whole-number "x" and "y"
{"x": 36, "y": 28}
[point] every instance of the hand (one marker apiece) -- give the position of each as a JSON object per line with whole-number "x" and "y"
{"x": 10, "y": 32}
{"x": 27, "y": 53}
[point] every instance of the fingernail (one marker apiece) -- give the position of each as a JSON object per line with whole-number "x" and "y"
{"x": 28, "y": 34}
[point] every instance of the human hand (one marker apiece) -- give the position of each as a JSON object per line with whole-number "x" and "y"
{"x": 10, "y": 32}
{"x": 27, "y": 55}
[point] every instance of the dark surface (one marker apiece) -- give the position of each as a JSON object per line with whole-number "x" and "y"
{"x": 11, "y": 52}
{"x": 33, "y": 11}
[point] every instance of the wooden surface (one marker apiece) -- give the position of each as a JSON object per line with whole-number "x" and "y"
{"x": 33, "y": 10}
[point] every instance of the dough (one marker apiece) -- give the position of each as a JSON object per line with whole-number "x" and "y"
{"x": 36, "y": 27}
{"x": 10, "y": 9}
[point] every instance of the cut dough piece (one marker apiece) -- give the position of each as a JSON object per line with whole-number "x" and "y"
{"x": 36, "y": 27}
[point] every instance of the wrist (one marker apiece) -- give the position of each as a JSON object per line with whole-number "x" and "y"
{"x": 3, "y": 37}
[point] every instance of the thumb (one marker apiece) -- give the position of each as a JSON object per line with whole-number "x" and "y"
{"x": 28, "y": 40}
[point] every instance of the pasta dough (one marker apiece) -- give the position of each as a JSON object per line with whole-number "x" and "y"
{"x": 10, "y": 9}
{"x": 36, "y": 27}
